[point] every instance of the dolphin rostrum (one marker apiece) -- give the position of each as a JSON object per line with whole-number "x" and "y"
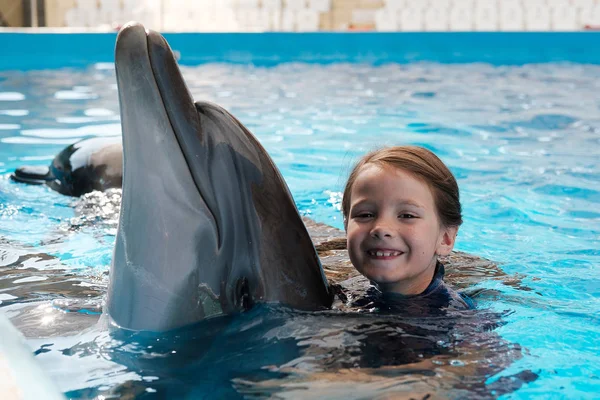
{"x": 207, "y": 223}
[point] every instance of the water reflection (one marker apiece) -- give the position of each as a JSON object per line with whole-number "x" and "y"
{"x": 268, "y": 351}
{"x": 273, "y": 351}
{"x": 523, "y": 141}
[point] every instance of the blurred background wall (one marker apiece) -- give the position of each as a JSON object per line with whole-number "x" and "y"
{"x": 309, "y": 15}
{"x": 11, "y": 13}
{"x": 56, "y": 11}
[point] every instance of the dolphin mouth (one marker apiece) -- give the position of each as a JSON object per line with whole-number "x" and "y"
{"x": 33, "y": 175}
{"x": 166, "y": 225}
{"x": 43, "y": 175}
{"x": 181, "y": 120}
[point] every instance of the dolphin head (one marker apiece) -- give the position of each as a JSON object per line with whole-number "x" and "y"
{"x": 207, "y": 224}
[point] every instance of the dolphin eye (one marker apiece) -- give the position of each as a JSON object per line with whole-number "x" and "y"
{"x": 242, "y": 291}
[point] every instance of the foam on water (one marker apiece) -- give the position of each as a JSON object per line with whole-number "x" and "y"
{"x": 523, "y": 141}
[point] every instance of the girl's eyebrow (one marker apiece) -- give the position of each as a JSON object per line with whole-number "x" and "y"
{"x": 410, "y": 203}
{"x": 407, "y": 202}
{"x": 362, "y": 202}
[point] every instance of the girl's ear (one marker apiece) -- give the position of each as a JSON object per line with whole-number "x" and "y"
{"x": 446, "y": 240}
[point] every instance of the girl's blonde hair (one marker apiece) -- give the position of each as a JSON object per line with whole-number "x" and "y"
{"x": 424, "y": 165}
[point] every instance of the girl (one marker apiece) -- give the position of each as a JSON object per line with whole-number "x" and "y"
{"x": 401, "y": 211}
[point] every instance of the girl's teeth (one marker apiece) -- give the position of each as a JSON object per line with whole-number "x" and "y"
{"x": 384, "y": 253}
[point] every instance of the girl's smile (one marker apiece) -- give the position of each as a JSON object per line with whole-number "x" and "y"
{"x": 384, "y": 254}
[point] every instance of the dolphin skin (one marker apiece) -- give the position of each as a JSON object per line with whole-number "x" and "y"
{"x": 207, "y": 224}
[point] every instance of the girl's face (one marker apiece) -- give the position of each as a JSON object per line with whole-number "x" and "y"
{"x": 394, "y": 233}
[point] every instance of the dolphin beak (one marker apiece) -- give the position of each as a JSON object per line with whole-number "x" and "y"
{"x": 156, "y": 105}
{"x": 153, "y": 80}
{"x": 34, "y": 175}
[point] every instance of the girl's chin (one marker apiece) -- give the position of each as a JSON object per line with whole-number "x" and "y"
{"x": 381, "y": 278}
{"x": 384, "y": 268}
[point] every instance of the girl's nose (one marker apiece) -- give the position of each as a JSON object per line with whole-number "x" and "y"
{"x": 382, "y": 230}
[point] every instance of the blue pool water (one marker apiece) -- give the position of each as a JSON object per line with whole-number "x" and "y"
{"x": 523, "y": 141}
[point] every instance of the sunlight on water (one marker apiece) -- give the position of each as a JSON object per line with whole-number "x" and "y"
{"x": 524, "y": 143}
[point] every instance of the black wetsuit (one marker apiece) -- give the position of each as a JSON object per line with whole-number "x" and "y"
{"x": 437, "y": 297}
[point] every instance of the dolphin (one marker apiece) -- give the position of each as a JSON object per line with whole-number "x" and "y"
{"x": 207, "y": 225}
{"x": 84, "y": 166}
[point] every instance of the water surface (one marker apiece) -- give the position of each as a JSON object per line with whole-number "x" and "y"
{"x": 523, "y": 142}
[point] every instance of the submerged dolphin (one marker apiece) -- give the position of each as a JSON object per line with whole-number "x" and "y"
{"x": 85, "y": 166}
{"x": 207, "y": 223}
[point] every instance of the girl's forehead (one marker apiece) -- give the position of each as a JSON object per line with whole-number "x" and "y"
{"x": 389, "y": 182}
{"x": 385, "y": 172}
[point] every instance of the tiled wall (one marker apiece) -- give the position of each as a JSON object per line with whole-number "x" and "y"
{"x": 487, "y": 15}
{"x": 311, "y": 15}
{"x": 188, "y": 15}
{"x": 353, "y": 14}
{"x": 56, "y": 11}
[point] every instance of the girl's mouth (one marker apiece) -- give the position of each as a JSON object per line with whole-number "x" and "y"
{"x": 384, "y": 253}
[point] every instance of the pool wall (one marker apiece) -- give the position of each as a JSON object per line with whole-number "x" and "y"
{"x": 25, "y": 51}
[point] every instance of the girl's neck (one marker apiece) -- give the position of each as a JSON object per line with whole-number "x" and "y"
{"x": 413, "y": 286}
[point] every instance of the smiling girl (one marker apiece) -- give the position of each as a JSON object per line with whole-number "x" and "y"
{"x": 401, "y": 211}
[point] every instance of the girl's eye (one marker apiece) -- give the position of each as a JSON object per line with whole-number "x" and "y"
{"x": 364, "y": 215}
{"x": 406, "y": 216}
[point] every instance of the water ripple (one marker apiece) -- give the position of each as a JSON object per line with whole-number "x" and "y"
{"x": 11, "y": 96}
{"x": 523, "y": 141}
